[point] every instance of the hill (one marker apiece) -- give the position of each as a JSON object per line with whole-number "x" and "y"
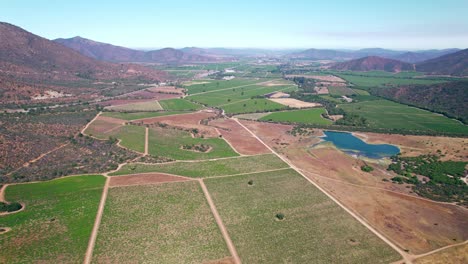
{"x": 108, "y": 52}
{"x": 447, "y": 98}
{"x": 30, "y": 65}
{"x": 373, "y": 63}
{"x": 419, "y": 56}
{"x": 101, "y": 51}
{"x": 322, "y": 54}
{"x": 23, "y": 54}
{"x": 451, "y": 64}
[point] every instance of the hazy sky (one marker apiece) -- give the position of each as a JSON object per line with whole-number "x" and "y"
{"x": 397, "y": 24}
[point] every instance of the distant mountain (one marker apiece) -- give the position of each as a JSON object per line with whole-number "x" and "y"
{"x": 101, "y": 51}
{"x": 25, "y": 55}
{"x": 322, "y": 54}
{"x": 451, "y": 64}
{"x": 343, "y": 55}
{"x": 373, "y": 63}
{"x": 30, "y": 65}
{"x": 447, "y": 98}
{"x": 238, "y": 52}
{"x": 108, "y": 52}
{"x": 419, "y": 56}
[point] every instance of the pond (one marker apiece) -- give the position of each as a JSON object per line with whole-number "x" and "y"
{"x": 352, "y": 145}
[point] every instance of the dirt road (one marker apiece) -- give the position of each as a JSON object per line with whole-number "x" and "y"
{"x": 220, "y": 223}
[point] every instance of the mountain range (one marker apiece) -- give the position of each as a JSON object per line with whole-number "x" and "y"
{"x": 343, "y": 55}
{"x": 112, "y": 53}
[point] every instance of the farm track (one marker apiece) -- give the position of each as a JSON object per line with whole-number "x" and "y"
{"x": 220, "y": 223}
{"x": 97, "y": 222}
{"x": 406, "y": 257}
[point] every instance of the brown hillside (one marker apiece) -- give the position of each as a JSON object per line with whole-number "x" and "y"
{"x": 28, "y": 56}
{"x": 373, "y": 63}
{"x": 450, "y": 64}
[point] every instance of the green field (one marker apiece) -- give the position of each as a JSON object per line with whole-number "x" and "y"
{"x": 213, "y": 85}
{"x": 306, "y": 116}
{"x": 179, "y": 105}
{"x": 209, "y": 168}
{"x": 376, "y": 81}
{"x": 137, "y": 107}
{"x": 56, "y": 223}
{"x": 132, "y": 137}
{"x": 314, "y": 230}
{"x": 241, "y": 100}
{"x": 166, "y": 223}
{"x": 390, "y": 115}
{"x": 252, "y": 106}
{"x": 340, "y": 91}
{"x": 138, "y": 115}
{"x": 168, "y": 143}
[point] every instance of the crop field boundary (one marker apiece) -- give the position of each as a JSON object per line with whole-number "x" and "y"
{"x": 406, "y": 257}
{"x": 220, "y": 223}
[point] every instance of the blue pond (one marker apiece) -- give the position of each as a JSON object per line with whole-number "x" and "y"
{"x": 350, "y": 144}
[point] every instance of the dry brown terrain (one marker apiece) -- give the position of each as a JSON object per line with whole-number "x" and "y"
{"x": 415, "y": 224}
{"x": 145, "y": 178}
{"x": 453, "y": 148}
{"x": 186, "y": 121}
{"x": 238, "y": 137}
{"x": 453, "y": 255}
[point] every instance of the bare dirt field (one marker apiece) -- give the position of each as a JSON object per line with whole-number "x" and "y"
{"x": 294, "y": 103}
{"x": 321, "y": 90}
{"x": 415, "y": 224}
{"x": 145, "y": 178}
{"x": 335, "y": 117}
{"x": 151, "y": 105}
{"x": 455, "y": 149}
{"x": 240, "y": 139}
{"x": 122, "y": 102}
{"x": 102, "y": 125}
{"x": 327, "y": 78}
{"x": 186, "y": 121}
{"x": 167, "y": 89}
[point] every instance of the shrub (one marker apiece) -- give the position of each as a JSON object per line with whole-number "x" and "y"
{"x": 279, "y": 216}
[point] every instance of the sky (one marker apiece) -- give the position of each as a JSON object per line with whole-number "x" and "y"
{"x": 396, "y": 24}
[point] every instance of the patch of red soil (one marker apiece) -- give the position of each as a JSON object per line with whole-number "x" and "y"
{"x": 239, "y": 138}
{"x": 147, "y": 178}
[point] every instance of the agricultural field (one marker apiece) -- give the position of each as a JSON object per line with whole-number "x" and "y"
{"x": 137, "y": 107}
{"x": 132, "y": 137}
{"x": 213, "y": 85}
{"x": 307, "y": 116}
{"x": 138, "y": 115}
{"x": 340, "y": 90}
{"x": 377, "y": 81}
{"x": 278, "y": 217}
{"x": 166, "y": 223}
{"x": 389, "y": 115}
{"x": 179, "y": 105}
{"x": 209, "y": 168}
{"x": 170, "y": 143}
{"x": 56, "y": 223}
{"x": 252, "y": 106}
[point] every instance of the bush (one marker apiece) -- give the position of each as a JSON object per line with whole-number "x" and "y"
{"x": 10, "y": 207}
{"x": 279, "y": 216}
{"x": 367, "y": 168}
